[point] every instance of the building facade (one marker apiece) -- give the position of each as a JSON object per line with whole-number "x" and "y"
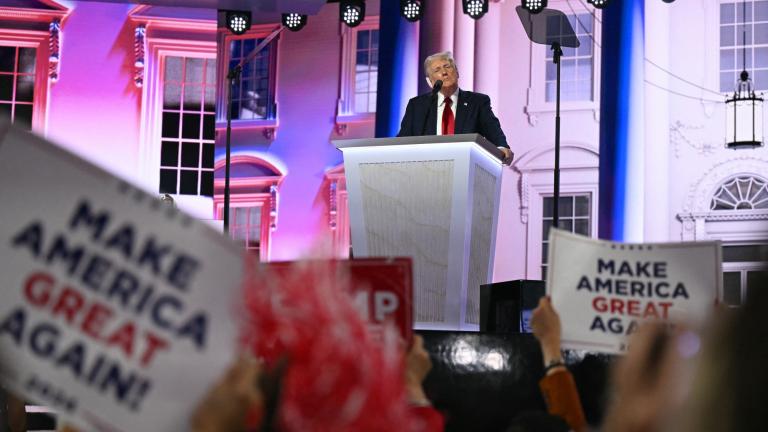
{"x": 141, "y": 91}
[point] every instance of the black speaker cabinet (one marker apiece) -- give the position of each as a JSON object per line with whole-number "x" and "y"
{"x": 505, "y": 307}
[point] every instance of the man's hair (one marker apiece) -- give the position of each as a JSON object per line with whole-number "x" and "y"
{"x": 445, "y": 55}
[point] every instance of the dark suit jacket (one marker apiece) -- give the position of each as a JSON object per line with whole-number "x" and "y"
{"x": 474, "y": 115}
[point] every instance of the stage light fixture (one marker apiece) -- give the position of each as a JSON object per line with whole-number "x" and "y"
{"x": 411, "y": 10}
{"x": 475, "y": 8}
{"x": 352, "y": 12}
{"x": 294, "y": 21}
{"x": 534, "y": 6}
{"x": 599, "y": 4}
{"x": 238, "y": 22}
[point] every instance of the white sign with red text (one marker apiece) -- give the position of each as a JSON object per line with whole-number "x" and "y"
{"x": 604, "y": 290}
{"x": 117, "y": 311}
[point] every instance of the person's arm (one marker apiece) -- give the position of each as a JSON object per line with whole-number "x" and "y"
{"x": 417, "y": 366}
{"x": 490, "y": 127}
{"x": 557, "y": 386}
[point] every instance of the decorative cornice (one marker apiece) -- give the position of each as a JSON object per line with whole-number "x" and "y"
{"x": 168, "y": 23}
{"x": 725, "y": 215}
{"x": 249, "y": 182}
{"x": 187, "y": 25}
{"x": 39, "y": 15}
{"x": 254, "y": 160}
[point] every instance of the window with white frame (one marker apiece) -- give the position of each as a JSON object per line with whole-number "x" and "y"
{"x": 366, "y": 70}
{"x": 739, "y": 21}
{"x": 17, "y": 84}
{"x": 254, "y": 94}
{"x": 245, "y": 227}
{"x": 577, "y": 64}
{"x": 574, "y": 216}
{"x": 188, "y": 128}
{"x": 744, "y": 270}
{"x": 360, "y": 70}
{"x": 30, "y": 56}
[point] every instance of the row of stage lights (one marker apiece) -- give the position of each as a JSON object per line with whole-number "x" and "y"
{"x": 536, "y": 6}
{"x": 352, "y": 12}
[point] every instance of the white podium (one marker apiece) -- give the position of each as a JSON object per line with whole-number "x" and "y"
{"x": 434, "y": 199}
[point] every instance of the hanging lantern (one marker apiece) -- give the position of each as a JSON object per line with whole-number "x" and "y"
{"x": 744, "y": 116}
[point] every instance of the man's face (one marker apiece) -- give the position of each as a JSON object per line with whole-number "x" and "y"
{"x": 444, "y": 70}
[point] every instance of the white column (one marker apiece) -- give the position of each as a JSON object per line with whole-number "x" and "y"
{"x": 487, "y": 43}
{"x": 657, "y": 216}
{"x": 464, "y": 46}
{"x": 634, "y": 188}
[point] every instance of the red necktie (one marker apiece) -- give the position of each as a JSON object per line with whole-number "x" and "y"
{"x": 448, "y": 124}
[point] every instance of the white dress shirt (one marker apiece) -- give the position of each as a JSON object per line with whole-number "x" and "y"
{"x": 441, "y": 108}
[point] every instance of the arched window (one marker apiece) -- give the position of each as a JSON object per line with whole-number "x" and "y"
{"x": 254, "y": 186}
{"x": 741, "y": 193}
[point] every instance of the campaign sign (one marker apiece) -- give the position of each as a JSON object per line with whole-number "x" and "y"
{"x": 381, "y": 289}
{"x": 383, "y": 293}
{"x": 604, "y": 290}
{"x": 117, "y": 310}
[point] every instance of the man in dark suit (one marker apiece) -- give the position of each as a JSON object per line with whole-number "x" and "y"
{"x": 451, "y": 110}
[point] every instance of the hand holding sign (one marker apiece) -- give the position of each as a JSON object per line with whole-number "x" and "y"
{"x": 417, "y": 366}
{"x": 546, "y": 327}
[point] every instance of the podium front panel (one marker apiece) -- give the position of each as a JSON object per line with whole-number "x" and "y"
{"x": 436, "y": 204}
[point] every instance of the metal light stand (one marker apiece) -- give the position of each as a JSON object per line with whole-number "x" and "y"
{"x": 232, "y": 77}
{"x": 557, "y": 52}
{"x": 536, "y": 28}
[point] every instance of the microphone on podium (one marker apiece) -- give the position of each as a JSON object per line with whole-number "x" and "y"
{"x": 433, "y": 97}
{"x": 435, "y": 88}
